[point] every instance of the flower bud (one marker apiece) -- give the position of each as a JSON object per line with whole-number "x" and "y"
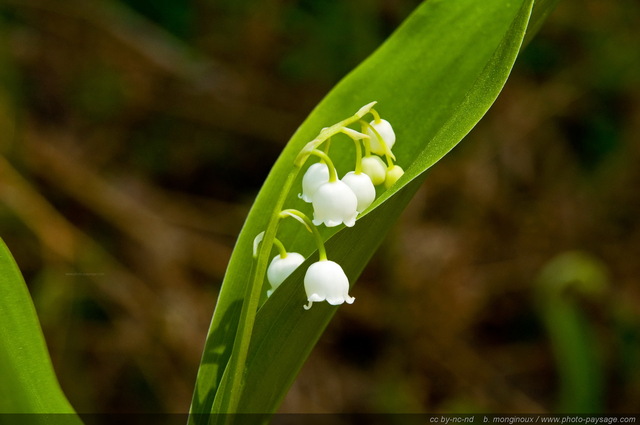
{"x": 334, "y": 203}
{"x": 316, "y": 175}
{"x": 325, "y": 280}
{"x": 385, "y": 131}
{"x": 280, "y": 269}
{"x": 375, "y": 168}
{"x": 393, "y": 174}
{"x": 364, "y": 190}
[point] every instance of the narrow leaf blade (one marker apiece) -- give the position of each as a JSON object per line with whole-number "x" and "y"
{"x": 29, "y": 384}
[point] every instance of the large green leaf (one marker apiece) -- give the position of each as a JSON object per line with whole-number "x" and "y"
{"x": 28, "y": 384}
{"x": 433, "y": 79}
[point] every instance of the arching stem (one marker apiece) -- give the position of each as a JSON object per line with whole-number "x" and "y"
{"x": 306, "y": 221}
{"x": 281, "y": 248}
{"x": 376, "y": 116}
{"x": 327, "y": 132}
{"x": 356, "y": 137}
{"x": 327, "y": 146}
{"x": 358, "y": 169}
{"x": 333, "y": 174}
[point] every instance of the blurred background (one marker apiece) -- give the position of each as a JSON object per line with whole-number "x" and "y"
{"x": 135, "y": 134}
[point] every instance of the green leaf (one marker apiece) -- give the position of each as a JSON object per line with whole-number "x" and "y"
{"x": 433, "y": 79}
{"x": 28, "y": 384}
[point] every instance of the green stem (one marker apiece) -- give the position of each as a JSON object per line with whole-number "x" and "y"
{"x": 333, "y": 174}
{"x": 367, "y": 142}
{"x": 356, "y": 137}
{"x": 281, "y": 248}
{"x": 358, "y": 169}
{"x": 387, "y": 152}
{"x": 376, "y": 116}
{"x": 327, "y": 146}
{"x": 231, "y": 398}
{"x": 256, "y": 243}
{"x": 302, "y": 217}
{"x": 389, "y": 162}
{"x": 326, "y": 133}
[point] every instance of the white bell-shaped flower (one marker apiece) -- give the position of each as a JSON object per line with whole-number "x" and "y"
{"x": 280, "y": 268}
{"x": 325, "y": 280}
{"x": 375, "y": 168}
{"x": 393, "y": 174}
{"x": 334, "y": 203}
{"x": 363, "y": 188}
{"x": 385, "y": 131}
{"x": 316, "y": 175}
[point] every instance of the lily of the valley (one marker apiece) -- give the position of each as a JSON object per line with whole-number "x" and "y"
{"x": 317, "y": 174}
{"x": 393, "y": 174}
{"x": 334, "y": 203}
{"x": 281, "y": 267}
{"x": 375, "y": 168}
{"x": 325, "y": 280}
{"x": 385, "y": 131}
{"x": 362, "y": 187}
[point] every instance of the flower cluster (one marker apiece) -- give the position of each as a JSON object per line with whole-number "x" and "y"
{"x": 336, "y": 201}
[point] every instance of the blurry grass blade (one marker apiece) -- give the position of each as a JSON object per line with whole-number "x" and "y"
{"x": 433, "y": 79}
{"x": 541, "y": 10}
{"x": 28, "y": 384}
{"x": 559, "y": 287}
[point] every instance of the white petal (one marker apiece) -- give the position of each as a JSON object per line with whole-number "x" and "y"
{"x": 350, "y": 222}
{"x": 386, "y": 132}
{"x": 325, "y": 280}
{"x": 280, "y": 268}
{"x": 314, "y": 298}
{"x": 334, "y": 203}
{"x": 363, "y": 188}
{"x": 340, "y": 300}
{"x": 317, "y": 174}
